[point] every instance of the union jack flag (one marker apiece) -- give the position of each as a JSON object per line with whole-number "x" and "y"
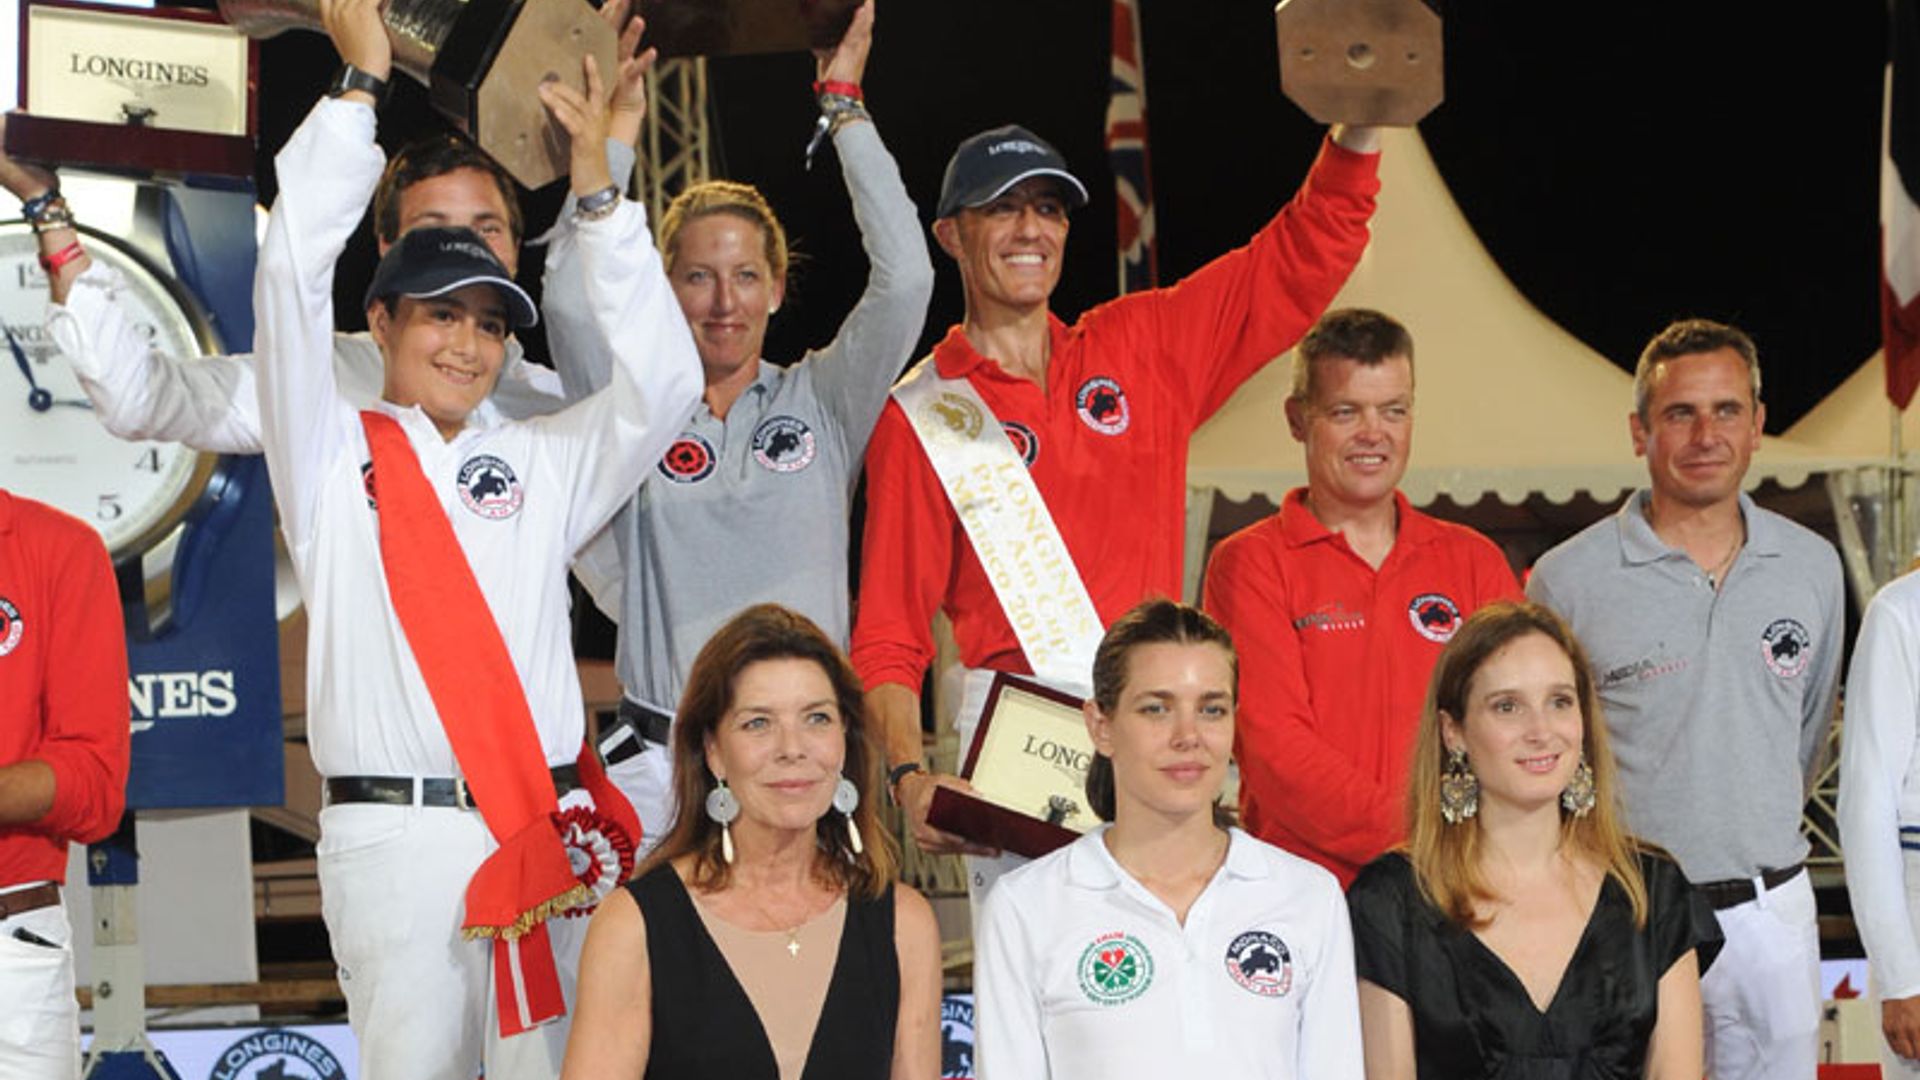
{"x": 1127, "y": 153}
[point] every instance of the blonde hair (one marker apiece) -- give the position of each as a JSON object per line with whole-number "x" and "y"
{"x": 743, "y": 201}
{"x": 1446, "y": 858}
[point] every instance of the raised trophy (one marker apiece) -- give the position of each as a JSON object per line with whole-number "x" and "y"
{"x": 1028, "y": 767}
{"x": 482, "y": 61}
{"x": 1374, "y": 62}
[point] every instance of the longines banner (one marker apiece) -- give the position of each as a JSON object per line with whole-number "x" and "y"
{"x": 303, "y": 1052}
{"x": 114, "y": 68}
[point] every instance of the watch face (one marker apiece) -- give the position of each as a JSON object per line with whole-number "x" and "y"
{"x": 52, "y": 447}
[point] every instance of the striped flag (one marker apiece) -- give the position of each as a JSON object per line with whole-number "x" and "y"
{"x": 1127, "y": 152}
{"x": 1899, "y": 214}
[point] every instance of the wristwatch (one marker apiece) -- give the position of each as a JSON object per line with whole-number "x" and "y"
{"x": 350, "y": 78}
{"x": 901, "y": 772}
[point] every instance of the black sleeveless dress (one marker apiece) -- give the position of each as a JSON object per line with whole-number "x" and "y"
{"x": 705, "y": 1027}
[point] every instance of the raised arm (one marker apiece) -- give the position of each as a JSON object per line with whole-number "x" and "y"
{"x": 855, "y": 371}
{"x": 617, "y": 434}
{"x": 327, "y": 172}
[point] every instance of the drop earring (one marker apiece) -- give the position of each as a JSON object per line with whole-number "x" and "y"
{"x": 846, "y": 799}
{"x": 1459, "y": 789}
{"x": 723, "y": 809}
{"x": 1579, "y": 796}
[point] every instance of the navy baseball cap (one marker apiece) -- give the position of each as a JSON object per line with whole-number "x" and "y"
{"x": 985, "y": 166}
{"x": 431, "y": 262}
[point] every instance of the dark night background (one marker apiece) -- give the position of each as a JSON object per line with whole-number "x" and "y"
{"x": 1625, "y": 164}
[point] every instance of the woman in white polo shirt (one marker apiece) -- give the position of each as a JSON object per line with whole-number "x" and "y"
{"x": 1167, "y": 942}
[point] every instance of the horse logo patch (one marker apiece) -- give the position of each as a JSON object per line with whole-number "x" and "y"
{"x": 1102, "y": 405}
{"x": 1786, "y": 647}
{"x": 783, "y": 444}
{"x": 1435, "y": 616}
{"x": 489, "y": 488}
{"x": 1025, "y": 442}
{"x": 1259, "y": 963}
{"x": 12, "y": 629}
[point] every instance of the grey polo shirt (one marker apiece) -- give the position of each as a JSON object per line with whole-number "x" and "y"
{"x": 1718, "y": 702}
{"x": 753, "y": 508}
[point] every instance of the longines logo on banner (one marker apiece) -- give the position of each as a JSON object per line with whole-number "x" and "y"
{"x": 178, "y": 695}
{"x": 277, "y": 1054}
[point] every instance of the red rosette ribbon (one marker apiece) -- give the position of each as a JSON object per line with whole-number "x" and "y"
{"x": 599, "y": 851}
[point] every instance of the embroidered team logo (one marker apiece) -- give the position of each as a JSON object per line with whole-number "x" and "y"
{"x": 689, "y": 460}
{"x": 1115, "y": 969}
{"x": 1435, "y": 616}
{"x": 956, "y": 1038}
{"x": 277, "y": 1054}
{"x": 1103, "y": 405}
{"x": 1786, "y": 647}
{"x": 1260, "y": 963}
{"x": 1024, "y": 441}
{"x": 953, "y": 417}
{"x": 489, "y": 488}
{"x": 783, "y": 444}
{"x": 366, "y": 485}
{"x": 11, "y": 628}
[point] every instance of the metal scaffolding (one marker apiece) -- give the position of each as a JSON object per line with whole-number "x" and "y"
{"x": 675, "y": 144}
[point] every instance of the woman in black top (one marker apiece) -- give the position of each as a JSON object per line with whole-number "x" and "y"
{"x": 765, "y": 939}
{"x": 1523, "y": 933}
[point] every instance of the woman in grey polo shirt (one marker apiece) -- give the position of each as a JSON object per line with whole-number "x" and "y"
{"x": 750, "y": 504}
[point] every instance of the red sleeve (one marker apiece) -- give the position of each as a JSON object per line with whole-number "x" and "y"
{"x": 1493, "y": 575}
{"x": 1232, "y": 316}
{"x": 906, "y": 557}
{"x": 85, "y": 693}
{"x": 1284, "y": 763}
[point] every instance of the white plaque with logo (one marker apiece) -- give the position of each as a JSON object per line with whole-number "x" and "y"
{"x": 141, "y": 70}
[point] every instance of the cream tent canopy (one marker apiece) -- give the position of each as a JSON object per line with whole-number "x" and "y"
{"x": 1855, "y": 420}
{"x": 1508, "y": 403}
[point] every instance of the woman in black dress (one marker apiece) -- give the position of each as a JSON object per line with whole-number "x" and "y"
{"x": 1523, "y": 933}
{"x": 765, "y": 938}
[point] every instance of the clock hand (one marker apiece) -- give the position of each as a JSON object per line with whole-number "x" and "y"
{"x": 37, "y": 399}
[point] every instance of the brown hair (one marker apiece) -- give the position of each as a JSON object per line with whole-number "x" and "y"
{"x": 1359, "y": 334}
{"x": 743, "y": 201}
{"x": 424, "y": 159}
{"x": 772, "y": 632}
{"x": 1446, "y": 858}
{"x": 1151, "y": 622}
{"x": 1689, "y": 337}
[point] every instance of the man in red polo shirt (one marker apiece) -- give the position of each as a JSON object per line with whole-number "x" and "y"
{"x": 1340, "y": 603}
{"x": 1099, "y": 413}
{"x": 63, "y": 765}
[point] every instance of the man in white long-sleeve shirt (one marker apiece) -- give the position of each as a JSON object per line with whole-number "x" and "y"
{"x": 520, "y": 499}
{"x": 1880, "y": 813}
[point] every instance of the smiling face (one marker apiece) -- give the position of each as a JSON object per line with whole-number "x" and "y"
{"x": 1701, "y": 428}
{"x": 781, "y": 744}
{"x": 443, "y": 353}
{"x": 726, "y": 288}
{"x": 464, "y": 198}
{"x": 1009, "y": 250}
{"x": 1523, "y": 727}
{"x": 1171, "y": 731}
{"x": 1357, "y": 428}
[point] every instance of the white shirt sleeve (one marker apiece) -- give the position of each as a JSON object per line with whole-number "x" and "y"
{"x": 619, "y": 432}
{"x": 1330, "y": 1008}
{"x": 327, "y": 172}
{"x": 1876, "y": 752}
{"x": 208, "y": 403}
{"x": 1009, "y": 1041}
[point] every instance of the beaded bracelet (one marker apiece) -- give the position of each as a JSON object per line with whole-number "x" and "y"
{"x": 52, "y": 217}
{"x": 837, "y": 110}
{"x": 34, "y": 207}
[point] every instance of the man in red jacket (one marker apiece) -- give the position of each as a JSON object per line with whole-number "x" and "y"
{"x": 1097, "y": 415}
{"x": 1340, "y": 603}
{"x": 63, "y": 765}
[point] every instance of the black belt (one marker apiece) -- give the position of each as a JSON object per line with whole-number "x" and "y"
{"x": 1736, "y": 891}
{"x": 649, "y": 723}
{"x": 434, "y": 790}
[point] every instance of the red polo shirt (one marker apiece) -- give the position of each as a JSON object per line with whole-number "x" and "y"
{"x": 1106, "y": 438}
{"x": 1334, "y": 659}
{"x": 63, "y": 683}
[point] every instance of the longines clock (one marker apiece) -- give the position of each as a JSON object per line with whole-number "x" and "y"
{"x": 54, "y": 449}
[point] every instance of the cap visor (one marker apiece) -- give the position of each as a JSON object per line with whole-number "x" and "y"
{"x": 520, "y": 309}
{"x": 1077, "y": 190}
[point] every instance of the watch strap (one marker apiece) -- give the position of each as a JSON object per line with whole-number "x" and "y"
{"x": 350, "y": 78}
